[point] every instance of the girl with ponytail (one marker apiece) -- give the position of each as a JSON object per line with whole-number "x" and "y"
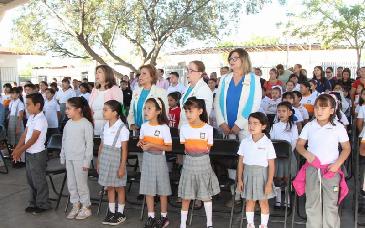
{"x": 284, "y": 129}
{"x": 77, "y": 152}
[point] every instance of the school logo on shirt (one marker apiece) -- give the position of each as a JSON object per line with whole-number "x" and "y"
{"x": 157, "y": 133}
{"x": 202, "y": 135}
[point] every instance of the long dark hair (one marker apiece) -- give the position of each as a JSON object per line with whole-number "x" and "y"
{"x": 323, "y": 77}
{"x": 109, "y": 76}
{"x": 194, "y": 102}
{"x": 161, "y": 118}
{"x": 86, "y": 86}
{"x": 17, "y": 91}
{"x": 263, "y": 120}
{"x": 116, "y": 106}
{"x": 326, "y": 100}
{"x": 289, "y": 106}
{"x": 81, "y": 103}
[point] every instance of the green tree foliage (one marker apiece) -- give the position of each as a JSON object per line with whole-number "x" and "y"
{"x": 96, "y": 28}
{"x": 332, "y": 22}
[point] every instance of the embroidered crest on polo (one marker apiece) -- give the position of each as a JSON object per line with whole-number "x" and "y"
{"x": 157, "y": 133}
{"x": 202, "y": 135}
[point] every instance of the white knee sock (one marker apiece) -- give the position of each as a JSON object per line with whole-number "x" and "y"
{"x": 112, "y": 207}
{"x": 264, "y": 219}
{"x": 121, "y": 208}
{"x": 164, "y": 215}
{"x": 250, "y": 217}
{"x": 151, "y": 214}
{"x": 184, "y": 217}
{"x": 208, "y": 206}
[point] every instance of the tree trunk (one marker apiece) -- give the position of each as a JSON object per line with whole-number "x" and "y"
{"x": 358, "y": 55}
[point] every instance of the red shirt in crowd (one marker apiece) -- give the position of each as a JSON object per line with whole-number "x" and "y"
{"x": 174, "y": 117}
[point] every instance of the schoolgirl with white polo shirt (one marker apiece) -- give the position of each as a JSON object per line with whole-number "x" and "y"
{"x": 16, "y": 113}
{"x": 155, "y": 139}
{"x": 256, "y": 167}
{"x": 324, "y": 182}
{"x": 112, "y": 160}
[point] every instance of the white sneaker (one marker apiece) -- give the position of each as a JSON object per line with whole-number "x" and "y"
{"x": 75, "y": 210}
{"x": 263, "y": 226}
{"x": 250, "y": 225}
{"x": 83, "y": 213}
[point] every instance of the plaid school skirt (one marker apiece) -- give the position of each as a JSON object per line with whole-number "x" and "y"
{"x": 254, "y": 181}
{"x": 109, "y": 162}
{"x": 155, "y": 179}
{"x": 14, "y": 138}
{"x": 198, "y": 180}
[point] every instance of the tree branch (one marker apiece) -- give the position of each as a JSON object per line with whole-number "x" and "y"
{"x": 117, "y": 58}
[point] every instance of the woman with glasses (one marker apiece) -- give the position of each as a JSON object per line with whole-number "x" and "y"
{"x": 197, "y": 88}
{"x": 239, "y": 94}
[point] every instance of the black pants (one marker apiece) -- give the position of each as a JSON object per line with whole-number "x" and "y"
{"x": 36, "y": 177}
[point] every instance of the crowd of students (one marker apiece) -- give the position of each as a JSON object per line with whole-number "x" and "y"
{"x": 313, "y": 115}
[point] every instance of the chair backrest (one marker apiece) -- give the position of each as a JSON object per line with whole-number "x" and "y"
{"x": 282, "y": 148}
{"x": 97, "y": 141}
{"x": 177, "y": 147}
{"x": 225, "y": 147}
{"x": 174, "y": 132}
{"x": 55, "y": 142}
{"x": 132, "y": 144}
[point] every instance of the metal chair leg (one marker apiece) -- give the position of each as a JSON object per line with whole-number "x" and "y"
{"x": 100, "y": 199}
{"x": 191, "y": 212}
{"x": 67, "y": 203}
{"x": 61, "y": 191}
{"x": 286, "y": 205}
{"x": 5, "y": 165}
{"x": 294, "y": 205}
{"x": 142, "y": 209}
{"x": 232, "y": 207}
{"x": 242, "y": 214}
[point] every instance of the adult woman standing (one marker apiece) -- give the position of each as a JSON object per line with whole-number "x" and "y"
{"x": 148, "y": 89}
{"x": 105, "y": 90}
{"x": 197, "y": 88}
{"x": 323, "y": 85}
{"x": 239, "y": 94}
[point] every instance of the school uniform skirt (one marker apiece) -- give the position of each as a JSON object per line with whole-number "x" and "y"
{"x": 198, "y": 180}
{"x": 254, "y": 181}
{"x": 109, "y": 163}
{"x": 14, "y": 138}
{"x": 155, "y": 179}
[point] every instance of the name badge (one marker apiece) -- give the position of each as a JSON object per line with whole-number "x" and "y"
{"x": 157, "y": 133}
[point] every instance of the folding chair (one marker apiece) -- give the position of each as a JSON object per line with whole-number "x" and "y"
{"x": 54, "y": 167}
{"x": 283, "y": 151}
{"x": 6, "y": 171}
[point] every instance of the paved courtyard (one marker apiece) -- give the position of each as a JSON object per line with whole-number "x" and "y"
{"x": 13, "y": 200}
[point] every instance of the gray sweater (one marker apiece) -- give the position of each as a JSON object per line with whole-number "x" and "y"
{"x": 77, "y": 141}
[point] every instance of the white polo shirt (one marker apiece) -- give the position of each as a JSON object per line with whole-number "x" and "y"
{"x": 63, "y": 96}
{"x": 272, "y": 106}
{"x": 304, "y": 112}
{"x": 16, "y": 105}
{"x": 323, "y": 141}
{"x": 178, "y": 88}
{"x": 280, "y": 131}
{"x": 256, "y": 153}
{"x": 156, "y": 134}
{"x": 50, "y": 110}
{"x": 37, "y": 123}
{"x": 110, "y": 132}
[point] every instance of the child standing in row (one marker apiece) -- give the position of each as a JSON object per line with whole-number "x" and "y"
{"x": 15, "y": 123}
{"x": 174, "y": 109}
{"x": 284, "y": 129}
{"x": 112, "y": 160}
{"x": 155, "y": 139}
{"x": 32, "y": 142}
{"x": 321, "y": 177}
{"x": 77, "y": 153}
{"x": 52, "y": 111}
{"x": 256, "y": 168}
{"x": 297, "y": 105}
{"x": 198, "y": 180}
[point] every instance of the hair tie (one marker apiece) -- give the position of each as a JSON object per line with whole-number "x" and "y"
{"x": 158, "y": 102}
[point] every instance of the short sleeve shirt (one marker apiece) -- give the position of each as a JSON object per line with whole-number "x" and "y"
{"x": 197, "y": 139}
{"x": 37, "y": 123}
{"x": 156, "y": 134}
{"x": 256, "y": 153}
{"x": 110, "y": 132}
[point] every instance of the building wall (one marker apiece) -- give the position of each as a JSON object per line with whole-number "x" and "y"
{"x": 8, "y": 69}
